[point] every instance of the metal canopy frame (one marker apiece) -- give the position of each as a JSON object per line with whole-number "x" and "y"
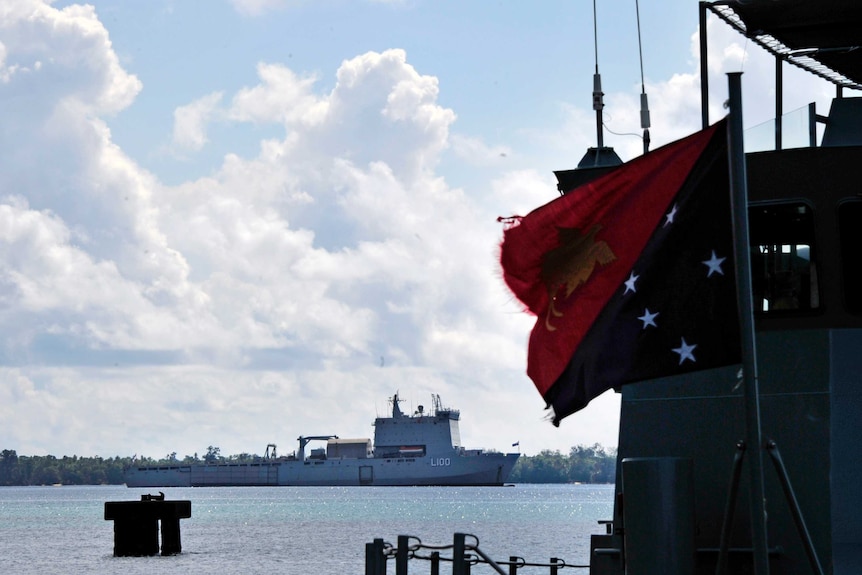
{"x": 822, "y": 37}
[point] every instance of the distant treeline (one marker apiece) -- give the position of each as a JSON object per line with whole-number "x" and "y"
{"x": 50, "y": 470}
{"x": 583, "y": 464}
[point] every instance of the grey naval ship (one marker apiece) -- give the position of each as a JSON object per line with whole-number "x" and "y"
{"x": 419, "y": 449}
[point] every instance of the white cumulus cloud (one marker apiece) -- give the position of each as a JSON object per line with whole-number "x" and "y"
{"x": 257, "y": 7}
{"x": 334, "y": 259}
{"x": 190, "y": 121}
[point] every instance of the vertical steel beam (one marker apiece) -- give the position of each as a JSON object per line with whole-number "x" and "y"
{"x": 812, "y": 125}
{"x": 779, "y": 100}
{"x": 754, "y": 443}
{"x": 704, "y": 68}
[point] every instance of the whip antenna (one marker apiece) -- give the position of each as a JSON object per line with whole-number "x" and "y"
{"x": 645, "y": 124}
{"x": 600, "y": 159}
{"x": 598, "y": 95}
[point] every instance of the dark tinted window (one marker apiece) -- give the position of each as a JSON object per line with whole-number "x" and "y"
{"x": 783, "y": 264}
{"x": 850, "y": 232}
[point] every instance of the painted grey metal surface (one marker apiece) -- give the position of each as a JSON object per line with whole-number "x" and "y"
{"x": 659, "y": 515}
{"x": 419, "y": 449}
{"x": 810, "y": 379}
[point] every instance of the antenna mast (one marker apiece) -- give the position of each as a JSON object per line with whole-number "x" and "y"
{"x": 598, "y": 95}
{"x": 599, "y": 159}
{"x": 645, "y": 123}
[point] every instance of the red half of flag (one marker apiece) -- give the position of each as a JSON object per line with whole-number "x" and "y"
{"x": 566, "y": 260}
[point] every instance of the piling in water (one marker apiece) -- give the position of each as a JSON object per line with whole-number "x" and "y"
{"x": 136, "y": 525}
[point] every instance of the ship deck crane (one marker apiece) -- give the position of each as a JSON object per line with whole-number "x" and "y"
{"x": 304, "y": 439}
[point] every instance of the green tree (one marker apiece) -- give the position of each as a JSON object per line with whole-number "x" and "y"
{"x": 583, "y": 464}
{"x": 213, "y": 454}
{"x": 9, "y": 472}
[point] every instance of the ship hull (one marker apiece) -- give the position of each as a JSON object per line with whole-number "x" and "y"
{"x": 489, "y": 469}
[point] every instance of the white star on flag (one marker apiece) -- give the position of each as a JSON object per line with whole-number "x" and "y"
{"x": 670, "y": 216}
{"x": 685, "y": 352}
{"x": 714, "y": 264}
{"x": 648, "y": 318}
{"x": 630, "y": 283}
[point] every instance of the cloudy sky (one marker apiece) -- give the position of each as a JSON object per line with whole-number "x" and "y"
{"x": 234, "y": 222}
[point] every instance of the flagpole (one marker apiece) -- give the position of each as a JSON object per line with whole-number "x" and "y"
{"x": 754, "y": 441}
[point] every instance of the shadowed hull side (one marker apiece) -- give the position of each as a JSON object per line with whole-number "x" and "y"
{"x": 486, "y": 470}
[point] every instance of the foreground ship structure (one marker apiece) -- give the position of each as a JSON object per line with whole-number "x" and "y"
{"x": 684, "y": 480}
{"x": 419, "y": 449}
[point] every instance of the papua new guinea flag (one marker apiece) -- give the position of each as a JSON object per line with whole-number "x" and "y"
{"x": 631, "y": 276}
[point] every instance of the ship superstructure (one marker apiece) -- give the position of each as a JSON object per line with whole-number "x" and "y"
{"x": 685, "y": 480}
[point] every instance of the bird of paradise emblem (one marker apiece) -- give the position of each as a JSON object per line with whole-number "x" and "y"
{"x": 571, "y": 264}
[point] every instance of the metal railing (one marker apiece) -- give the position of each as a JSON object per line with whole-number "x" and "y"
{"x": 464, "y": 554}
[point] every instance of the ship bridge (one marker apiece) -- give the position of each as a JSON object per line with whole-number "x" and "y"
{"x": 419, "y": 434}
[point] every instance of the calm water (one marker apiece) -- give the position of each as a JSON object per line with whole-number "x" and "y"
{"x": 299, "y": 530}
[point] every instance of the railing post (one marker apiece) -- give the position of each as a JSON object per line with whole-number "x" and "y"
{"x": 554, "y": 568}
{"x": 369, "y": 559}
{"x": 459, "y": 566}
{"x": 373, "y": 557}
{"x": 401, "y": 555}
{"x": 435, "y": 563}
{"x": 513, "y": 565}
{"x": 379, "y": 558}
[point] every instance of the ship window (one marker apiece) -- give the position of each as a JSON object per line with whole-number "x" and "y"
{"x": 850, "y": 232}
{"x": 783, "y": 264}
